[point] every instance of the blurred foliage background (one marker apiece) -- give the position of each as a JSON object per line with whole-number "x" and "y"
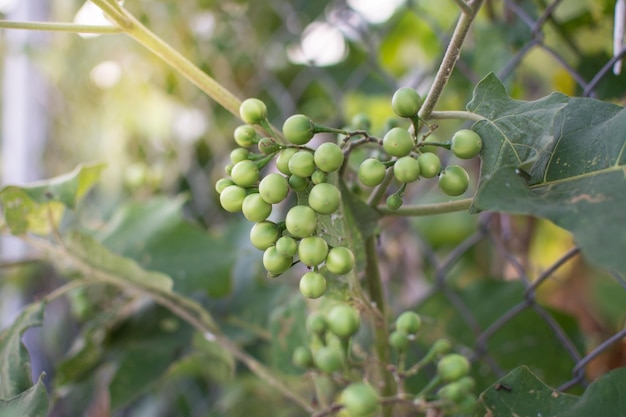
{"x": 105, "y": 98}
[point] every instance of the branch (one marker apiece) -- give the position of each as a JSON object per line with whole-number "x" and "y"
{"x": 59, "y": 27}
{"x": 427, "y": 209}
{"x": 463, "y": 115}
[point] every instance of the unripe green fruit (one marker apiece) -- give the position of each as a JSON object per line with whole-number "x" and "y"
{"x": 268, "y": 146}
{"x": 312, "y": 285}
{"x": 287, "y": 246}
{"x": 275, "y": 263}
{"x": 264, "y": 234}
{"x": 302, "y": 164}
{"x": 231, "y": 198}
{"x": 316, "y": 323}
{"x": 298, "y": 183}
{"x": 301, "y": 221}
{"x": 454, "y": 180}
{"x": 253, "y": 111}
{"x": 238, "y": 155}
{"x": 302, "y": 357}
{"x": 441, "y": 346}
{"x": 328, "y": 359}
{"x": 408, "y": 322}
{"x": 312, "y": 250}
{"x": 467, "y": 405}
{"x": 466, "y": 384}
{"x": 228, "y": 169}
{"x": 394, "y": 201}
{"x": 466, "y": 144}
{"x": 274, "y": 188}
{"x": 298, "y": 129}
{"x": 451, "y": 392}
{"x": 453, "y": 367}
{"x": 282, "y": 161}
{"x": 361, "y": 121}
{"x": 255, "y": 209}
{"x": 328, "y": 157}
{"x": 245, "y": 136}
{"x": 223, "y": 183}
{"x": 406, "y": 102}
{"x": 360, "y": 399}
{"x": 399, "y": 340}
{"x": 430, "y": 165}
{"x": 398, "y": 142}
{"x": 318, "y": 177}
{"x": 372, "y": 172}
{"x": 245, "y": 173}
{"x": 340, "y": 260}
{"x": 324, "y": 198}
{"x": 406, "y": 169}
{"x": 343, "y": 321}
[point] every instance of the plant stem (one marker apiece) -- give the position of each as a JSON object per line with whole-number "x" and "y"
{"x": 131, "y": 26}
{"x": 449, "y": 60}
{"x": 59, "y": 27}
{"x": 463, "y": 115}
{"x": 377, "y": 297}
{"x": 427, "y": 209}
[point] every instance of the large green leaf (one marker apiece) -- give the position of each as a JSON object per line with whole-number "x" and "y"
{"x": 31, "y": 403}
{"x": 15, "y": 371}
{"x": 39, "y": 206}
{"x": 155, "y": 234}
{"x": 521, "y": 393}
{"x": 557, "y": 158}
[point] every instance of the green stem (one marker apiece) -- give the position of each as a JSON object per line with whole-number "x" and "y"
{"x": 59, "y": 27}
{"x": 463, "y": 115}
{"x": 130, "y": 25}
{"x": 427, "y": 209}
{"x": 449, "y": 59}
{"x": 377, "y": 298}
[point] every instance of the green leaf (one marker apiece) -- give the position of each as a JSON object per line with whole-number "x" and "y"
{"x": 94, "y": 254}
{"x": 39, "y": 206}
{"x": 15, "y": 371}
{"x": 155, "y": 234}
{"x": 288, "y": 332}
{"x": 31, "y": 403}
{"x": 563, "y": 163}
{"x": 521, "y": 393}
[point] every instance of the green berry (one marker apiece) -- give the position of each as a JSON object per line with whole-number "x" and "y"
{"x": 318, "y": 177}
{"x": 453, "y": 367}
{"x": 399, "y": 340}
{"x": 312, "y": 250}
{"x": 298, "y": 183}
{"x": 328, "y": 157}
{"x": 245, "y": 136}
{"x": 316, "y": 323}
{"x": 282, "y": 161}
{"x": 287, "y": 246}
{"x": 302, "y": 357}
{"x": 328, "y": 359}
{"x": 361, "y": 121}
{"x": 324, "y": 198}
{"x": 394, "y": 201}
{"x": 312, "y": 285}
{"x": 360, "y": 399}
{"x": 274, "y": 188}
{"x": 298, "y": 129}
{"x": 406, "y": 102}
{"x": 466, "y": 144}
{"x": 223, "y": 183}
{"x": 302, "y": 164}
{"x": 408, "y": 322}
{"x": 340, "y": 260}
{"x": 238, "y": 155}
{"x": 430, "y": 165}
{"x": 372, "y": 172}
{"x": 245, "y": 173}
{"x": 398, "y": 142}
{"x": 253, "y": 111}
{"x": 406, "y": 169}
{"x": 451, "y": 392}
{"x": 264, "y": 234}
{"x": 255, "y": 209}
{"x": 343, "y": 320}
{"x": 231, "y": 198}
{"x": 454, "y": 180}
{"x": 275, "y": 263}
{"x": 441, "y": 346}
{"x": 268, "y": 146}
{"x": 301, "y": 221}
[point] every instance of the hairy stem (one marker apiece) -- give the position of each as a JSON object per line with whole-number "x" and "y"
{"x": 427, "y": 209}
{"x": 462, "y": 115}
{"x": 59, "y": 27}
{"x": 449, "y": 59}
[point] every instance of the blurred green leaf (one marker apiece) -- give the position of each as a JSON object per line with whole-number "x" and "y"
{"x": 15, "y": 371}
{"x": 556, "y": 158}
{"x": 31, "y": 403}
{"x": 155, "y": 234}
{"x": 39, "y": 206}
{"x": 288, "y": 332}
